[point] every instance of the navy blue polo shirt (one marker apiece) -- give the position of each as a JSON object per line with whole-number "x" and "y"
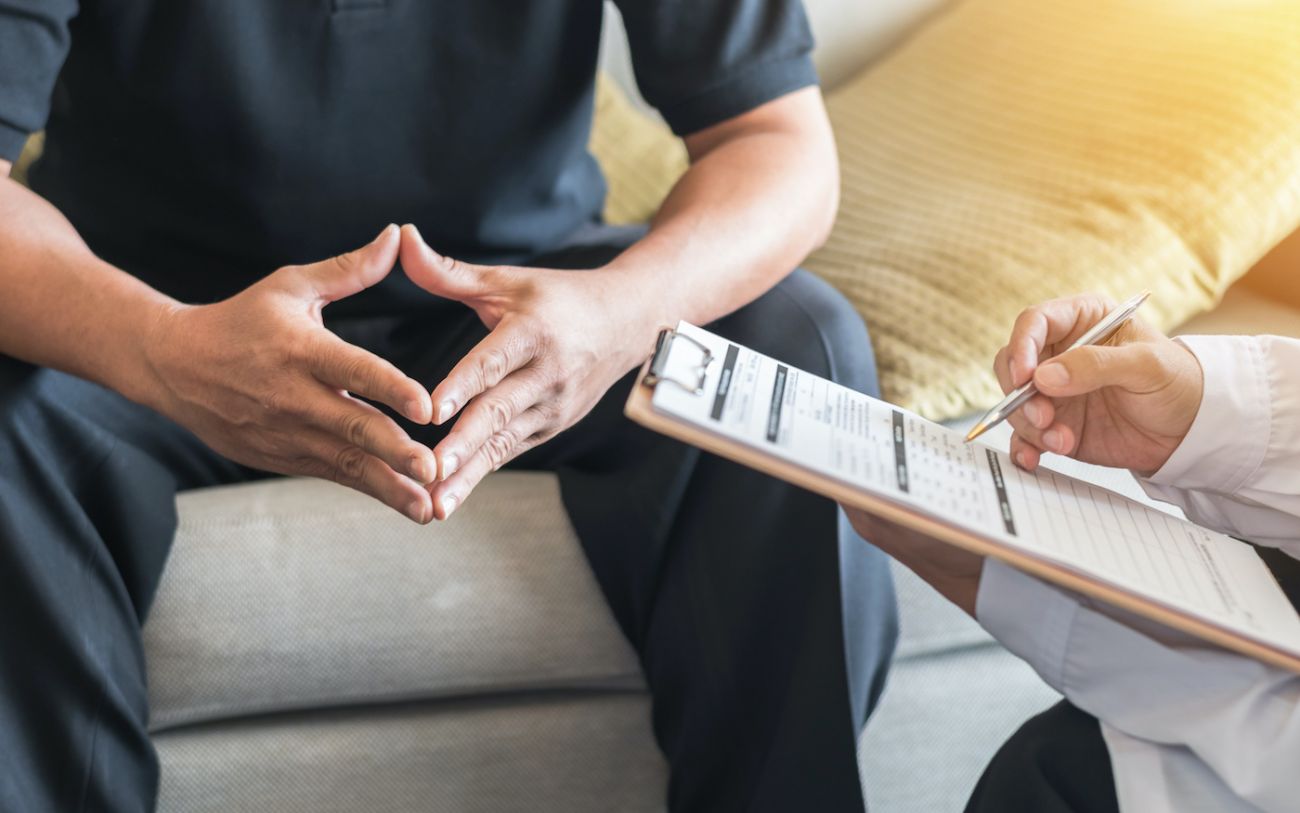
{"x": 200, "y": 144}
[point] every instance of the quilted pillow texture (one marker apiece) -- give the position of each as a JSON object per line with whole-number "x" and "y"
{"x": 1017, "y": 150}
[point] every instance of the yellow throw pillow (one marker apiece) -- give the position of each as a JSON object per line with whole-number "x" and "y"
{"x": 31, "y": 150}
{"x": 1016, "y": 150}
{"x": 640, "y": 156}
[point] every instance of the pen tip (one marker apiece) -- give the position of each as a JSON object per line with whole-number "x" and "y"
{"x": 976, "y": 431}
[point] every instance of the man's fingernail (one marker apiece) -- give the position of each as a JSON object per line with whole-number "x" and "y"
{"x": 448, "y": 505}
{"x": 449, "y": 465}
{"x": 417, "y": 511}
{"x": 415, "y": 410}
{"x": 445, "y": 410}
{"x": 1020, "y": 460}
{"x": 1052, "y": 439}
{"x": 1032, "y": 413}
{"x": 1053, "y": 374}
{"x": 421, "y": 469}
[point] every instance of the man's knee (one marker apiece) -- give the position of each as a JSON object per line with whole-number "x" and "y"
{"x": 805, "y": 322}
{"x": 1056, "y": 761}
{"x": 38, "y": 420}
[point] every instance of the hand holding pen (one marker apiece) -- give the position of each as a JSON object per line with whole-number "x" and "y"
{"x": 1126, "y": 403}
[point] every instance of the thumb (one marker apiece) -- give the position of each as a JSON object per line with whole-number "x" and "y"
{"x": 355, "y": 271}
{"x": 1134, "y": 367}
{"x": 440, "y": 275}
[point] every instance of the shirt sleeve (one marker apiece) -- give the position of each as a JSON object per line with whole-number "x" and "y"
{"x": 1238, "y": 469}
{"x": 1239, "y": 717}
{"x": 34, "y": 42}
{"x": 701, "y": 62}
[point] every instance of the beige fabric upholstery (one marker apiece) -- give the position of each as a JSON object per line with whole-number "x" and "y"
{"x": 554, "y": 751}
{"x": 295, "y": 594}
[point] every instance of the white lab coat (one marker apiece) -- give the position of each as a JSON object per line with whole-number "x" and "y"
{"x": 1189, "y": 727}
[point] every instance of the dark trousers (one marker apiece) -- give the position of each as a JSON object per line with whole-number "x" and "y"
{"x": 1056, "y": 763}
{"x": 733, "y": 587}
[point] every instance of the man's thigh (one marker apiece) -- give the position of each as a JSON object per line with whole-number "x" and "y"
{"x": 87, "y": 515}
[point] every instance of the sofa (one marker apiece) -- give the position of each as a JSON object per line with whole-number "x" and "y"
{"x": 311, "y": 651}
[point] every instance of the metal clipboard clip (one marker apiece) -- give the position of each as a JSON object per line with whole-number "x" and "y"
{"x": 659, "y": 361}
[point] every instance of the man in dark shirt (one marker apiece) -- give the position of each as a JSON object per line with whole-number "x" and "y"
{"x": 151, "y": 346}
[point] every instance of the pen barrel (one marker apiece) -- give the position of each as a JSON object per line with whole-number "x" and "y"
{"x": 1021, "y": 398}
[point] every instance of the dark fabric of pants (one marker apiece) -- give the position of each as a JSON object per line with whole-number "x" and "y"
{"x": 1056, "y": 763}
{"x": 732, "y": 586}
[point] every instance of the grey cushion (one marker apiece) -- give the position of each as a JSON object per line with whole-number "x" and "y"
{"x": 549, "y": 752}
{"x": 940, "y": 722}
{"x": 929, "y": 624}
{"x": 295, "y": 594}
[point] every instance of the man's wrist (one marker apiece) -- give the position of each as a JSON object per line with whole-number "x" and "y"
{"x": 643, "y": 307}
{"x": 135, "y": 372}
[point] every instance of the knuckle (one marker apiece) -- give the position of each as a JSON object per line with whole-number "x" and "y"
{"x": 298, "y": 350}
{"x": 276, "y": 403}
{"x": 359, "y": 373}
{"x": 547, "y": 411}
{"x": 349, "y": 465}
{"x": 309, "y": 466}
{"x": 499, "y": 446}
{"x": 355, "y": 428}
{"x": 448, "y": 265}
{"x": 499, "y": 412}
{"x": 1027, "y": 317}
{"x": 493, "y": 365}
{"x": 346, "y": 262}
{"x": 321, "y": 356}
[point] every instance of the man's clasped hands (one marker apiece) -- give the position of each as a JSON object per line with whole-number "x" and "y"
{"x": 293, "y": 398}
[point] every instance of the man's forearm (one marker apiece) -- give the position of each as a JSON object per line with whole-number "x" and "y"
{"x": 761, "y": 194}
{"x": 63, "y": 307}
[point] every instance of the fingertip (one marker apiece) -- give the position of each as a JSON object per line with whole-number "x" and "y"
{"x": 418, "y": 408}
{"x": 420, "y": 511}
{"x": 448, "y": 463}
{"x": 422, "y": 466}
{"x": 445, "y": 403}
{"x": 384, "y": 234}
{"x": 1024, "y": 454}
{"x": 444, "y": 505}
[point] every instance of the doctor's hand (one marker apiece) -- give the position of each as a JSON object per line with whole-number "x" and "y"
{"x": 1125, "y": 404}
{"x": 954, "y": 572}
{"x": 558, "y": 341}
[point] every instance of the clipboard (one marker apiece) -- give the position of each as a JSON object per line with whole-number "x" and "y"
{"x": 640, "y": 408}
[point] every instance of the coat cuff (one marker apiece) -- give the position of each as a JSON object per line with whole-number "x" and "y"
{"x": 1229, "y": 437}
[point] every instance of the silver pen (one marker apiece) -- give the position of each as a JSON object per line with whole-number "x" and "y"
{"x": 1097, "y": 334}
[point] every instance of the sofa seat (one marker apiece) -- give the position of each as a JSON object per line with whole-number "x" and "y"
{"x": 309, "y": 649}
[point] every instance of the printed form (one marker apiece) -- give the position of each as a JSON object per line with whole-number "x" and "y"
{"x": 831, "y": 430}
